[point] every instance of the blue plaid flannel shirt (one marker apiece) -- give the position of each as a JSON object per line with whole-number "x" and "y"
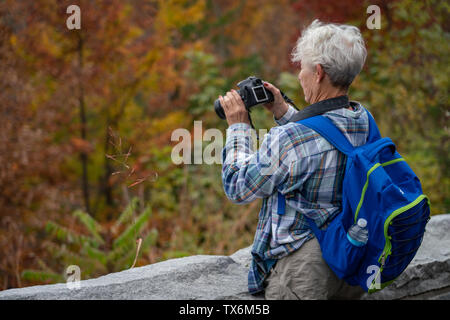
{"x": 305, "y": 167}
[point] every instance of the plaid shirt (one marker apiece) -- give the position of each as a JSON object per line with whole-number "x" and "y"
{"x": 305, "y": 167}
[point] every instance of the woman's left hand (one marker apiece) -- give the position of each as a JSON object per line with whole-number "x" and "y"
{"x": 234, "y": 108}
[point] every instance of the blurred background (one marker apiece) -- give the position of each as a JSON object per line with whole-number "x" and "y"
{"x": 86, "y": 118}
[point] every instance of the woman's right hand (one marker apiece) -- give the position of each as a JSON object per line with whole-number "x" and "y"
{"x": 278, "y": 106}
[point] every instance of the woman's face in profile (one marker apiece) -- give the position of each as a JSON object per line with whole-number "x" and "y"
{"x": 306, "y": 78}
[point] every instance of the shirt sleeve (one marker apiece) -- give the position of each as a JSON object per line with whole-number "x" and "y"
{"x": 286, "y": 117}
{"x": 246, "y": 174}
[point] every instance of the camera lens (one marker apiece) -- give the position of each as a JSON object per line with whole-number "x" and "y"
{"x": 219, "y": 110}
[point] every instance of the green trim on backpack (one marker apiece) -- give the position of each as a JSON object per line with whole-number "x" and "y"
{"x": 363, "y": 193}
{"x": 388, "y": 246}
{"x": 346, "y": 261}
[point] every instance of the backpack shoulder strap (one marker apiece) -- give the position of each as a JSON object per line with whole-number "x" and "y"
{"x": 330, "y": 132}
{"x": 374, "y": 132}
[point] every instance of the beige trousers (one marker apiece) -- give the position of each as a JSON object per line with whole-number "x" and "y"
{"x": 304, "y": 275}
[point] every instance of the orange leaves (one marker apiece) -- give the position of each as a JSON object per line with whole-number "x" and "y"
{"x": 81, "y": 145}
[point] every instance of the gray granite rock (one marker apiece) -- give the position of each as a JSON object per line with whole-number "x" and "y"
{"x": 225, "y": 277}
{"x": 195, "y": 277}
{"x": 243, "y": 257}
{"x": 428, "y": 274}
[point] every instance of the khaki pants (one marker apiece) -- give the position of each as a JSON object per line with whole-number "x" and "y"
{"x": 304, "y": 275}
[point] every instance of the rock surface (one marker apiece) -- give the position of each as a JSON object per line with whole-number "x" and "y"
{"x": 428, "y": 275}
{"x": 225, "y": 277}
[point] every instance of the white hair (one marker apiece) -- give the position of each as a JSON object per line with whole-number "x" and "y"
{"x": 338, "y": 48}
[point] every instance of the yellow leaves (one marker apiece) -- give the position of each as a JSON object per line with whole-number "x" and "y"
{"x": 17, "y": 47}
{"x": 172, "y": 120}
{"x": 135, "y": 32}
{"x": 198, "y": 46}
{"x": 196, "y": 12}
{"x": 49, "y": 44}
{"x": 151, "y": 57}
{"x": 13, "y": 40}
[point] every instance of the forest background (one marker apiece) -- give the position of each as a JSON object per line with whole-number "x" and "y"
{"x": 86, "y": 118}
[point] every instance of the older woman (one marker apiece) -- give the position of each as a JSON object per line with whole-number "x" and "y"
{"x": 287, "y": 261}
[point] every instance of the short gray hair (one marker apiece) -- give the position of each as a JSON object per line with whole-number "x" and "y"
{"x": 338, "y": 48}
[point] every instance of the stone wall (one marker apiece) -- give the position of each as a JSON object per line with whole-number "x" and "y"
{"x": 225, "y": 277}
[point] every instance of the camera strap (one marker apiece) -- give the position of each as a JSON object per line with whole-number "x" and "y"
{"x": 251, "y": 124}
{"x": 321, "y": 107}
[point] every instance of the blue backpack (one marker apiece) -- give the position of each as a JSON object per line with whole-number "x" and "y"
{"x": 380, "y": 187}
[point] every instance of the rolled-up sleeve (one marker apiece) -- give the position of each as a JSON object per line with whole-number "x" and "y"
{"x": 249, "y": 174}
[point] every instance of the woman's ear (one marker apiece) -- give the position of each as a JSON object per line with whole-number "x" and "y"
{"x": 320, "y": 73}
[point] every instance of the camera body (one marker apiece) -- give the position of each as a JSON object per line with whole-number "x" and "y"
{"x": 252, "y": 92}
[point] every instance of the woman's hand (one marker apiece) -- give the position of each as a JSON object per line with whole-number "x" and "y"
{"x": 278, "y": 107}
{"x": 234, "y": 108}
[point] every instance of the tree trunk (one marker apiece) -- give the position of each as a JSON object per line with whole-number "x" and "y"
{"x": 106, "y": 187}
{"x": 83, "y": 154}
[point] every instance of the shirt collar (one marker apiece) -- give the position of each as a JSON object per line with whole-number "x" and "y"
{"x": 321, "y": 107}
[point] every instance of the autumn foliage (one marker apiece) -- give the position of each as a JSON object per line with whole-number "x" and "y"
{"x": 86, "y": 118}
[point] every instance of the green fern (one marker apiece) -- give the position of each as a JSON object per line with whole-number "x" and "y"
{"x": 93, "y": 253}
{"x": 91, "y": 225}
{"x": 64, "y": 234}
{"x": 127, "y": 213}
{"x": 41, "y": 276}
{"x": 129, "y": 234}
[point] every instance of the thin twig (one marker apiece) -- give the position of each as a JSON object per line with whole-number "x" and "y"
{"x": 131, "y": 172}
{"x": 128, "y": 154}
{"x": 138, "y": 181}
{"x": 114, "y": 159}
{"x": 138, "y": 242}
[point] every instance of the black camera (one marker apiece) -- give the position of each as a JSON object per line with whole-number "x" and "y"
{"x": 252, "y": 92}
